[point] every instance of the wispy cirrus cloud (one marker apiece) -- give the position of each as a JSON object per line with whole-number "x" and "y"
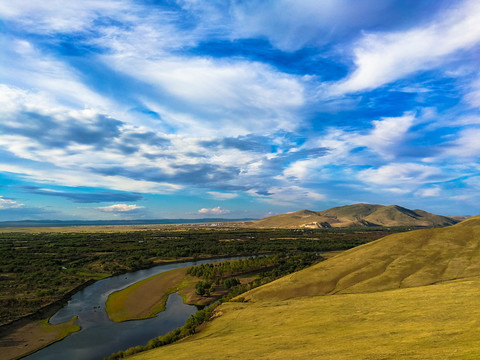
{"x": 279, "y": 104}
{"x": 383, "y": 58}
{"x": 289, "y": 195}
{"x": 430, "y": 192}
{"x": 208, "y": 96}
{"x": 403, "y": 175}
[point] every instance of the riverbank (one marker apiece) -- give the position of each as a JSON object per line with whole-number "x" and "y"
{"x": 27, "y": 337}
{"x": 33, "y": 332}
{"x": 30, "y": 333}
{"x": 124, "y": 305}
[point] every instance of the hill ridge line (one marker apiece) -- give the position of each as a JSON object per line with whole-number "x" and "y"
{"x": 356, "y": 215}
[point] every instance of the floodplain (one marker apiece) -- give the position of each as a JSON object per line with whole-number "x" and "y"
{"x": 40, "y": 269}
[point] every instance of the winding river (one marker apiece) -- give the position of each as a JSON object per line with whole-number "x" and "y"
{"x": 101, "y": 337}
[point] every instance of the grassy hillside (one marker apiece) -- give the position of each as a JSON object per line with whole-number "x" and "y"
{"x": 291, "y": 220}
{"x": 433, "y": 322}
{"x": 415, "y": 258}
{"x": 356, "y": 215}
{"x": 407, "y": 296}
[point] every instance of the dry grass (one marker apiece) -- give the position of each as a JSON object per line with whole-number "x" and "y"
{"x": 34, "y": 336}
{"x": 401, "y": 260}
{"x": 431, "y": 322}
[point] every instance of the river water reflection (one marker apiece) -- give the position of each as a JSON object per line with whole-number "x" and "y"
{"x": 101, "y": 337}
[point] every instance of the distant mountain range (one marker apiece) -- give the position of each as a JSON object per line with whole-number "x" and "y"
{"x": 342, "y": 216}
{"x": 355, "y": 215}
{"x": 60, "y": 223}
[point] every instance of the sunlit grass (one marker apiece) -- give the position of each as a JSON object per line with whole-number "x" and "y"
{"x": 431, "y": 322}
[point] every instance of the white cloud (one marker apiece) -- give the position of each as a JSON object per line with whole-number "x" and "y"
{"x": 467, "y": 145}
{"x": 430, "y": 192}
{"x": 214, "y": 211}
{"x": 30, "y": 68}
{"x": 300, "y": 170}
{"x": 222, "y": 195}
{"x": 9, "y": 204}
{"x": 401, "y": 175}
{"x": 386, "y": 139}
{"x": 473, "y": 95}
{"x": 73, "y": 178}
{"x": 46, "y": 17}
{"x": 292, "y": 24}
{"x": 218, "y": 96}
{"x": 383, "y": 58}
{"x": 120, "y": 208}
{"x": 387, "y": 135}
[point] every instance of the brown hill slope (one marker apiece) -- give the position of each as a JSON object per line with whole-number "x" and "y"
{"x": 355, "y": 215}
{"x": 293, "y": 220}
{"x": 410, "y": 259}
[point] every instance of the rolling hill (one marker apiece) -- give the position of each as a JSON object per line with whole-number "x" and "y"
{"x": 406, "y": 296}
{"x": 401, "y": 260}
{"x": 355, "y": 215}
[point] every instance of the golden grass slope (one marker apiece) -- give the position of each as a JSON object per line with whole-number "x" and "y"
{"x": 290, "y": 220}
{"x": 402, "y": 260}
{"x": 433, "y": 322}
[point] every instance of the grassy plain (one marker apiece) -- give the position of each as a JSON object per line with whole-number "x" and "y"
{"x": 32, "y": 336}
{"x": 439, "y": 321}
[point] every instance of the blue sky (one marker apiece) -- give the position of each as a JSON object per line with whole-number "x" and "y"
{"x": 185, "y": 109}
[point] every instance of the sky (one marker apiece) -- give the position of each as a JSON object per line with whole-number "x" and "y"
{"x": 146, "y": 109}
